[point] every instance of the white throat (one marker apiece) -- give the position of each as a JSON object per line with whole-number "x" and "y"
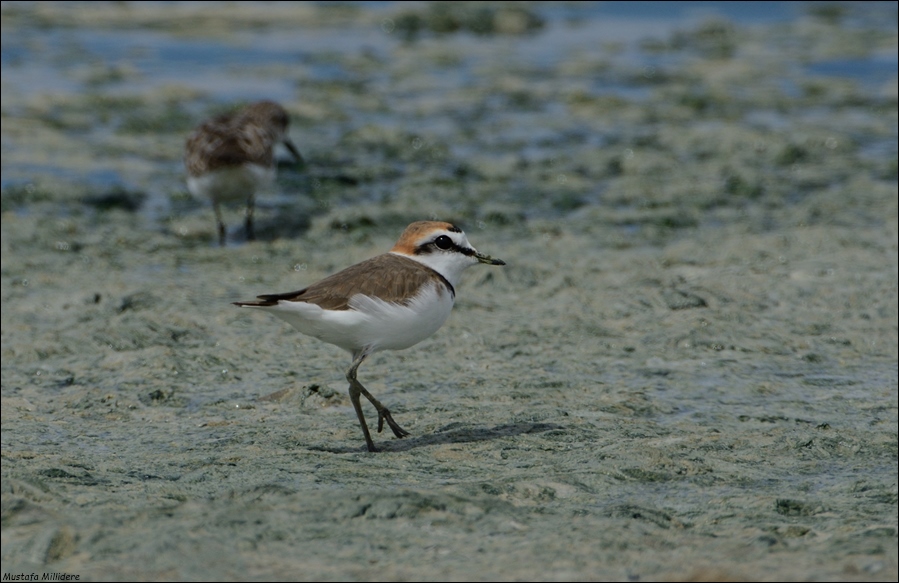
{"x": 449, "y": 265}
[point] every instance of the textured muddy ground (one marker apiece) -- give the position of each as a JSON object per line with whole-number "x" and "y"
{"x": 686, "y": 371}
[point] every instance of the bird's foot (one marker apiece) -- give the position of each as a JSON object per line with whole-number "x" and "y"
{"x": 384, "y": 415}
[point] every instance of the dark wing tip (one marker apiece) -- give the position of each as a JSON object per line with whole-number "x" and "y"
{"x": 270, "y": 299}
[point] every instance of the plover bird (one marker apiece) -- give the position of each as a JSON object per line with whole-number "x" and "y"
{"x": 389, "y": 302}
{"x": 231, "y": 157}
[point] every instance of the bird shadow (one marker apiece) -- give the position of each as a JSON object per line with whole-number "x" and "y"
{"x": 453, "y": 433}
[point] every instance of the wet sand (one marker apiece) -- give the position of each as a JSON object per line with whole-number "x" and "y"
{"x": 687, "y": 370}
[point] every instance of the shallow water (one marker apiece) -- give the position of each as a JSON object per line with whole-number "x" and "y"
{"x": 686, "y": 370}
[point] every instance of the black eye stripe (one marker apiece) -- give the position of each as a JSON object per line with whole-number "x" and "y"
{"x": 442, "y": 243}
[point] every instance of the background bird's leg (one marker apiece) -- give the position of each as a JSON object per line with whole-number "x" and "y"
{"x": 221, "y": 223}
{"x": 251, "y": 204}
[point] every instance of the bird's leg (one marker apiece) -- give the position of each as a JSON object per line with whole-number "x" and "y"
{"x": 356, "y": 389}
{"x": 251, "y": 203}
{"x": 354, "y": 397}
{"x": 221, "y": 223}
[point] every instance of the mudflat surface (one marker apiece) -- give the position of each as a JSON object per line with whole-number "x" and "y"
{"x": 687, "y": 370}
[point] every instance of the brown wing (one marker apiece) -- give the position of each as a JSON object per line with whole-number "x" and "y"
{"x": 228, "y": 140}
{"x": 389, "y": 277}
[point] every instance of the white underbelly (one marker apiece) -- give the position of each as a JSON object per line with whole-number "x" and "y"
{"x": 231, "y": 184}
{"x": 371, "y": 324}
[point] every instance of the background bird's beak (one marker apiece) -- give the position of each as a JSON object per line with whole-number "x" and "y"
{"x": 293, "y": 150}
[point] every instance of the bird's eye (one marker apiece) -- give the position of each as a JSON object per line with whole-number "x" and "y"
{"x": 443, "y": 242}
